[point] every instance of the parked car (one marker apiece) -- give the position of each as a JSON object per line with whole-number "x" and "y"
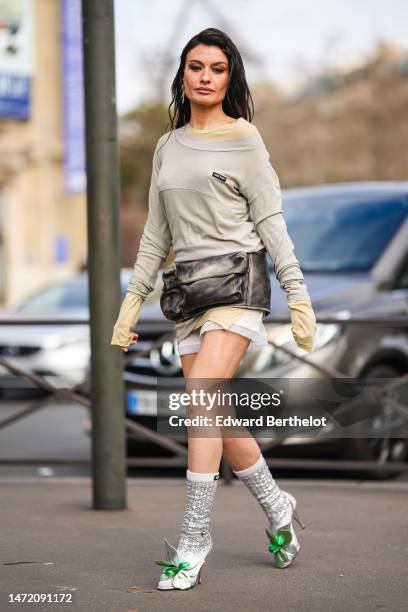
{"x": 59, "y": 353}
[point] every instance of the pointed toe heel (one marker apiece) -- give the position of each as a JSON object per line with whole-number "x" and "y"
{"x": 283, "y": 543}
{"x": 181, "y": 570}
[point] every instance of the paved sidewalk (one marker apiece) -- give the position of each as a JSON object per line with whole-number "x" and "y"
{"x": 354, "y": 553}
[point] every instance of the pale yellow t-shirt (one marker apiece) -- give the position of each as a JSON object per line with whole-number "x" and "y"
{"x": 223, "y": 315}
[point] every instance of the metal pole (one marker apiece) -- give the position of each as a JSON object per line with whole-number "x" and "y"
{"x": 107, "y": 391}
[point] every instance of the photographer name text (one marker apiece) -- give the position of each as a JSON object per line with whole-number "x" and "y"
{"x": 228, "y": 421}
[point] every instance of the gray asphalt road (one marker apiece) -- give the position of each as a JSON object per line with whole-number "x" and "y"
{"x": 354, "y": 552}
{"x": 53, "y": 431}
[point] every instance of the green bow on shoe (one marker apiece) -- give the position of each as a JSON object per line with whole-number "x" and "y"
{"x": 171, "y": 569}
{"x": 278, "y": 541}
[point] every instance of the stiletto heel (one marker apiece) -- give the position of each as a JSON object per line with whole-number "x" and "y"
{"x": 199, "y": 574}
{"x": 297, "y": 519}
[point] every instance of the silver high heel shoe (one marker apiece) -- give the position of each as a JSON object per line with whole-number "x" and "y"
{"x": 182, "y": 570}
{"x": 283, "y": 543}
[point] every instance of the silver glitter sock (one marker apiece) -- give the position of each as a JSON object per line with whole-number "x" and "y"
{"x": 262, "y": 485}
{"x": 195, "y": 534}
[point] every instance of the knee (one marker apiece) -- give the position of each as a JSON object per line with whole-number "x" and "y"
{"x": 240, "y": 451}
{"x": 228, "y": 444}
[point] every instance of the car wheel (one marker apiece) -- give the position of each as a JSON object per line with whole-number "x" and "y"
{"x": 381, "y": 450}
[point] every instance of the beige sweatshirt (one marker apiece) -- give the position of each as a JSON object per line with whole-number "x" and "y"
{"x": 212, "y": 192}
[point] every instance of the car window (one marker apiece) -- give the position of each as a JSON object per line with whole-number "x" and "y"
{"x": 56, "y": 298}
{"x": 342, "y": 232}
{"x": 59, "y": 297}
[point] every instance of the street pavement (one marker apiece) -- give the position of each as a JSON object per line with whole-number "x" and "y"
{"x": 354, "y": 553}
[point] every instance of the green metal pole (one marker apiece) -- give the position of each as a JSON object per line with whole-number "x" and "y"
{"x": 107, "y": 391}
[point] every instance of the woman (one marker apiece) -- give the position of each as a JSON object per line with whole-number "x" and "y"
{"x": 213, "y": 191}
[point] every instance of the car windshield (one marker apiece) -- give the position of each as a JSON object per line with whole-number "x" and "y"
{"x": 59, "y": 298}
{"x": 345, "y": 232}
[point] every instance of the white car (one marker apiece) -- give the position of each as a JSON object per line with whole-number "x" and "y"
{"x": 58, "y": 352}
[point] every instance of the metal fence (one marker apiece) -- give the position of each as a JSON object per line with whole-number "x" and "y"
{"x": 79, "y": 393}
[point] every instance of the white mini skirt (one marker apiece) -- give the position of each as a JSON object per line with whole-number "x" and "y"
{"x": 250, "y": 325}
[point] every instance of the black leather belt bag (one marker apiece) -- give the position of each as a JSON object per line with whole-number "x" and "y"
{"x": 192, "y": 287}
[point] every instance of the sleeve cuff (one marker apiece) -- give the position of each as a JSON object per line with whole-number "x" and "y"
{"x": 128, "y": 317}
{"x": 303, "y": 323}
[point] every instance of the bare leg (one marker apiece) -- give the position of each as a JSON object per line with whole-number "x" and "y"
{"x": 239, "y": 452}
{"x": 219, "y": 356}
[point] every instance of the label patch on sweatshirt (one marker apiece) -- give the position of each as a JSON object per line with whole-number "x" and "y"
{"x": 220, "y": 177}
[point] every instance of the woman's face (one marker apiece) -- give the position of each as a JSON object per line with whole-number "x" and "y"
{"x": 206, "y": 67}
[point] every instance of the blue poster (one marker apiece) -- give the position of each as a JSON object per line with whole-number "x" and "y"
{"x": 16, "y": 58}
{"x": 14, "y": 97}
{"x": 73, "y": 97}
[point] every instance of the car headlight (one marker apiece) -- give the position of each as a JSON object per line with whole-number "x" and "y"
{"x": 270, "y": 356}
{"x": 73, "y": 354}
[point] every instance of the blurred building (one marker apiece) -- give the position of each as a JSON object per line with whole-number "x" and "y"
{"x": 345, "y": 124}
{"x": 42, "y": 175}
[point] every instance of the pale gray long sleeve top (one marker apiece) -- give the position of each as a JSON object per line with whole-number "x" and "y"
{"x": 213, "y": 192}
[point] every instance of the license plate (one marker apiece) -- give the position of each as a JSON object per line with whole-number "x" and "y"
{"x": 142, "y": 402}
